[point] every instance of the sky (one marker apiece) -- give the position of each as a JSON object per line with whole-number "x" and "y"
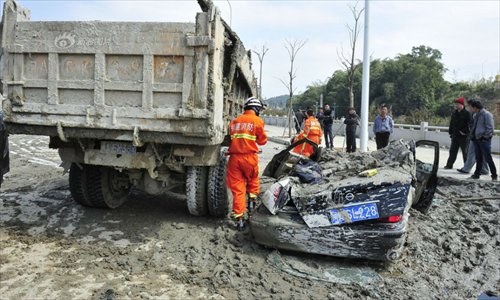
{"x": 466, "y": 32}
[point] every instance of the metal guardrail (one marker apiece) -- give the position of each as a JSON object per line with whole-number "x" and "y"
{"x": 282, "y": 121}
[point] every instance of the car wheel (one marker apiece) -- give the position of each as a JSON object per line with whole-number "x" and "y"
{"x": 219, "y": 198}
{"x": 196, "y": 190}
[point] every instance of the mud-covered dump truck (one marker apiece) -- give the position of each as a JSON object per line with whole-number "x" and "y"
{"x": 142, "y": 104}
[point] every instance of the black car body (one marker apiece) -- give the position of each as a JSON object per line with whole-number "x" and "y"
{"x": 376, "y": 239}
{"x": 4, "y": 149}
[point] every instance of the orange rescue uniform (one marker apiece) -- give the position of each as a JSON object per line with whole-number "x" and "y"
{"x": 312, "y": 130}
{"x": 247, "y": 131}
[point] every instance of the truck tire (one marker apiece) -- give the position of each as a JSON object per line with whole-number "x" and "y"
{"x": 219, "y": 199}
{"x": 77, "y": 184}
{"x": 196, "y": 190}
{"x": 106, "y": 187}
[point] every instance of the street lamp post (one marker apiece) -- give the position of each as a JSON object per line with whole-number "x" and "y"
{"x": 230, "y": 14}
{"x": 365, "y": 90}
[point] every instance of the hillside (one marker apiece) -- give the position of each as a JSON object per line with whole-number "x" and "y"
{"x": 277, "y": 102}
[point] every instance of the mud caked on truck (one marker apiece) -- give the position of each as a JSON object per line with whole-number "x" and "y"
{"x": 128, "y": 104}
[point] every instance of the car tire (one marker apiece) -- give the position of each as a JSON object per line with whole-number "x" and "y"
{"x": 219, "y": 198}
{"x": 196, "y": 190}
{"x": 77, "y": 184}
{"x": 106, "y": 187}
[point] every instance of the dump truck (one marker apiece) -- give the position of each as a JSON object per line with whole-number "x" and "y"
{"x": 129, "y": 104}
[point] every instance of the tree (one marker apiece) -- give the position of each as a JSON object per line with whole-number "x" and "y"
{"x": 261, "y": 55}
{"x": 348, "y": 61}
{"x": 419, "y": 83}
{"x": 293, "y": 48}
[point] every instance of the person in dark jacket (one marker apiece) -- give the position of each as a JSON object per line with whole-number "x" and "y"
{"x": 481, "y": 135}
{"x": 320, "y": 116}
{"x": 328, "y": 116}
{"x": 471, "y": 152}
{"x": 299, "y": 120}
{"x": 459, "y": 132}
{"x": 351, "y": 121}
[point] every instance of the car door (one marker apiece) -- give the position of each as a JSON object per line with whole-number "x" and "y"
{"x": 426, "y": 175}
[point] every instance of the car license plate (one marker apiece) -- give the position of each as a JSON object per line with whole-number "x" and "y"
{"x": 117, "y": 148}
{"x": 354, "y": 213}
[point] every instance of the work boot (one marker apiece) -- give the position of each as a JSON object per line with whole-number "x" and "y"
{"x": 241, "y": 224}
{"x": 239, "y": 220}
{"x": 448, "y": 167}
{"x": 494, "y": 177}
{"x": 252, "y": 204}
{"x": 474, "y": 176}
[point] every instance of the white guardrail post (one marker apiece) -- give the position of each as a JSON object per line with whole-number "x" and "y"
{"x": 424, "y": 127}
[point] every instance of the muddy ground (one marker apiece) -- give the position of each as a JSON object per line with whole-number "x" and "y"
{"x": 51, "y": 248}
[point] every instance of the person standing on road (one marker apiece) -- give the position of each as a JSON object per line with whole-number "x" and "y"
{"x": 459, "y": 132}
{"x": 299, "y": 120}
{"x": 471, "y": 152}
{"x": 481, "y": 135}
{"x": 351, "y": 121}
{"x": 320, "y": 116}
{"x": 328, "y": 115}
{"x": 312, "y": 131}
{"x": 247, "y": 131}
{"x": 383, "y": 127}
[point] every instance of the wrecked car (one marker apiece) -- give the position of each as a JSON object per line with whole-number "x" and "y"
{"x": 345, "y": 214}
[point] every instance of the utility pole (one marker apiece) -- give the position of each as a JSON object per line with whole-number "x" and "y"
{"x": 230, "y": 14}
{"x": 365, "y": 90}
{"x": 260, "y": 55}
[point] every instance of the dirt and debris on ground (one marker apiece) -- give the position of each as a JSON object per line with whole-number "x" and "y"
{"x": 51, "y": 248}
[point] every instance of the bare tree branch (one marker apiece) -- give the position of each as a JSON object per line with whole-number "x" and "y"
{"x": 261, "y": 55}
{"x": 293, "y": 48}
{"x": 349, "y": 63}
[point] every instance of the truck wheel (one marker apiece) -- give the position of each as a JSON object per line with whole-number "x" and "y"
{"x": 219, "y": 200}
{"x": 196, "y": 190}
{"x": 77, "y": 184}
{"x": 106, "y": 187}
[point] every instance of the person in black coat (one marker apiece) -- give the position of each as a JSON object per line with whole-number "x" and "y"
{"x": 459, "y": 131}
{"x": 299, "y": 120}
{"x": 351, "y": 121}
{"x": 328, "y": 115}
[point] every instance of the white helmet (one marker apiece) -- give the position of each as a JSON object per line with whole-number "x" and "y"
{"x": 252, "y": 102}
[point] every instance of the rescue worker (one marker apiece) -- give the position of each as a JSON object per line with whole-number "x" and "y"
{"x": 247, "y": 131}
{"x": 312, "y": 130}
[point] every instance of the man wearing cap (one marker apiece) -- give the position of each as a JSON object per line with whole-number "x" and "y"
{"x": 459, "y": 131}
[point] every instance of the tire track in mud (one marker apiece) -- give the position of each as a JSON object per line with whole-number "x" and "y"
{"x": 35, "y": 149}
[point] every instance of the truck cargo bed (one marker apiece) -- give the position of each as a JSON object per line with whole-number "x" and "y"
{"x": 166, "y": 82}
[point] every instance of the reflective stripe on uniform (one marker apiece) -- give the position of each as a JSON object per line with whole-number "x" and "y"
{"x": 244, "y": 136}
